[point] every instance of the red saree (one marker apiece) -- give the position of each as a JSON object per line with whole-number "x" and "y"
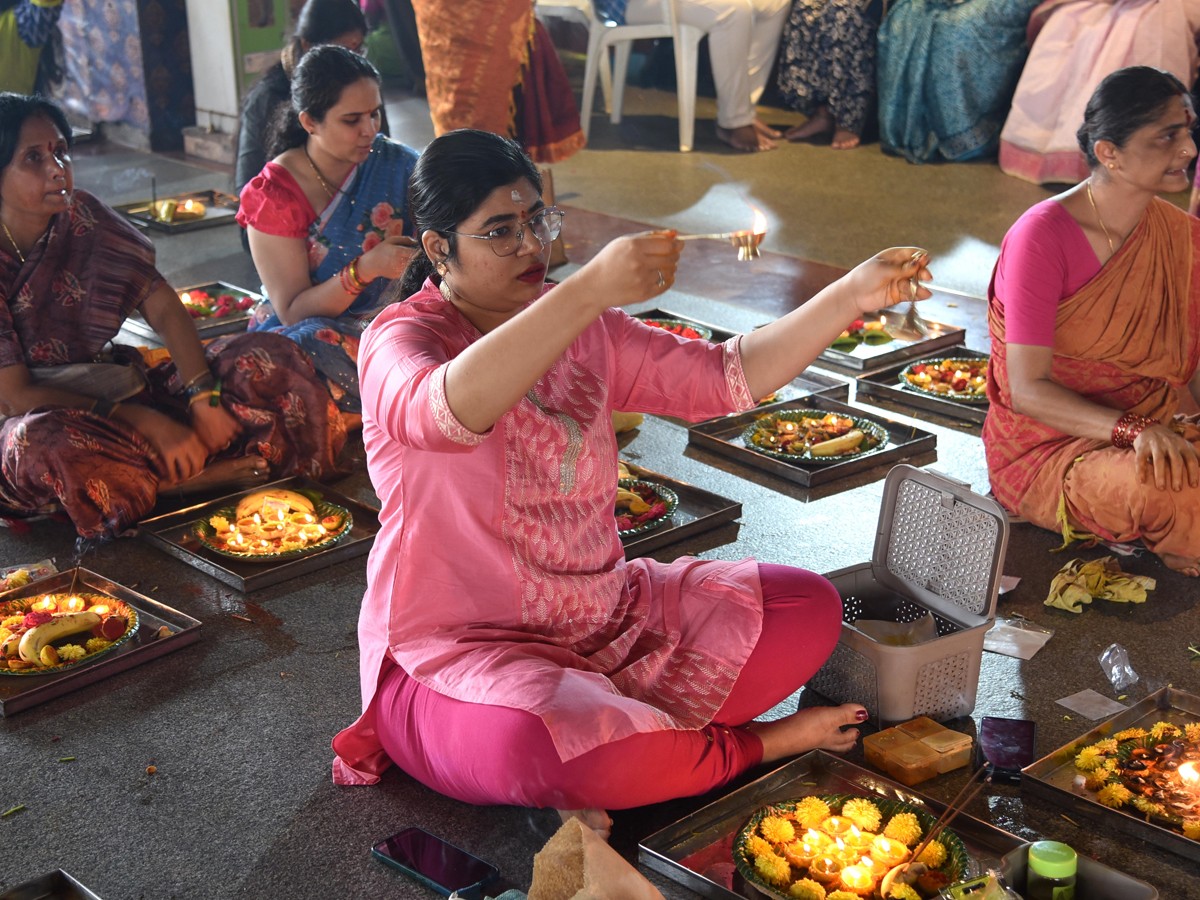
{"x": 1130, "y": 340}
{"x": 490, "y": 64}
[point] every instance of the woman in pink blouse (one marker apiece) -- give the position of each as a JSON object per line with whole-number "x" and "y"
{"x": 510, "y": 653}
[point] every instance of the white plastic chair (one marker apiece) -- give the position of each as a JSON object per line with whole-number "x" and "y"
{"x": 585, "y": 8}
{"x": 603, "y": 35}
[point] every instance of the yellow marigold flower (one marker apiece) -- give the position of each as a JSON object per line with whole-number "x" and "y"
{"x": 756, "y": 847}
{"x": 5, "y": 634}
{"x": 1098, "y": 777}
{"x": 1192, "y": 732}
{"x": 774, "y": 869}
{"x": 95, "y": 645}
{"x": 842, "y": 895}
{"x": 863, "y": 813}
{"x": 219, "y": 523}
{"x": 1108, "y": 745}
{"x": 1191, "y": 829}
{"x": 1088, "y": 758}
{"x": 1160, "y": 730}
{"x": 811, "y": 812}
{"x": 71, "y": 651}
{"x": 777, "y": 830}
{"x": 903, "y": 827}
{"x": 11, "y": 621}
{"x": 902, "y": 891}
{"x": 1114, "y": 795}
{"x": 933, "y": 855}
{"x": 1147, "y": 806}
{"x": 1129, "y": 734}
{"x": 807, "y": 889}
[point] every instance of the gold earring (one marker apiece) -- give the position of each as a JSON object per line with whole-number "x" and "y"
{"x": 444, "y": 287}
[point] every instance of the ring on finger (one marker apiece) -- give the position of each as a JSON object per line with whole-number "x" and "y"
{"x": 662, "y": 282}
{"x": 912, "y": 288}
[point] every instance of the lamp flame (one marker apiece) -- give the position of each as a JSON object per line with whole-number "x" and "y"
{"x": 760, "y": 221}
{"x": 1189, "y": 776}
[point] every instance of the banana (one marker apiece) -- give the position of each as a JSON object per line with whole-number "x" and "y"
{"x": 635, "y": 503}
{"x": 273, "y": 501}
{"x": 838, "y": 445}
{"x": 61, "y": 626}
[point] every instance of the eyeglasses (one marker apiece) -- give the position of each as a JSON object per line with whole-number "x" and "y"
{"x": 506, "y": 240}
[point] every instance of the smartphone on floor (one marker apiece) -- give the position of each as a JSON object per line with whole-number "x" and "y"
{"x": 1006, "y": 746}
{"x": 436, "y": 863}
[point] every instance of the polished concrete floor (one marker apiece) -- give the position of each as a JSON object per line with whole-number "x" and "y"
{"x": 237, "y": 725}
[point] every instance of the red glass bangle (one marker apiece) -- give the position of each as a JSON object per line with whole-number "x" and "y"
{"x": 1128, "y": 427}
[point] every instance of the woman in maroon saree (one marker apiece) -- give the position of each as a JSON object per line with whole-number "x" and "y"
{"x": 100, "y": 441}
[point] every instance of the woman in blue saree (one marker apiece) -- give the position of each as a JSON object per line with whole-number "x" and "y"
{"x": 947, "y": 72}
{"x": 326, "y": 218}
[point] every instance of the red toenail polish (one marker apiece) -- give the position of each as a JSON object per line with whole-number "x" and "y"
{"x": 861, "y": 715}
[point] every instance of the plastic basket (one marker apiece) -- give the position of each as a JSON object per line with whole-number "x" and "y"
{"x": 939, "y": 549}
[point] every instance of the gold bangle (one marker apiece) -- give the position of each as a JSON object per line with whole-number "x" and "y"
{"x": 355, "y": 280}
{"x": 202, "y": 395}
{"x": 195, "y": 378}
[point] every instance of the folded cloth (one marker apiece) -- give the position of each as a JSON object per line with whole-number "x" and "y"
{"x": 1080, "y": 582}
{"x": 578, "y": 864}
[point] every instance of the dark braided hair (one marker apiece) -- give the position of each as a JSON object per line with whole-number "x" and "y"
{"x": 454, "y": 175}
{"x": 317, "y": 85}
{"x": 1126, "y": 100}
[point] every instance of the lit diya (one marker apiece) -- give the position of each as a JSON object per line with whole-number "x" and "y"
{"x": 274, "y": 523}
{"x": 746, "y": 241}
{"x": 51, "y": 632}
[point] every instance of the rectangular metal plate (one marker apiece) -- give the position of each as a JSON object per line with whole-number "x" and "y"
{"x": 876, "y": 356}
{"x": 1053, "y": 776}
{"x": 698, "y": 511}
{"x": 883, "y": 386}
{"x": 724, "y": 436}
{"x": 220, "y": 209}
{"x": 206, "y": 328}
{"x": 697, "y": 850}
{"x": 175, "y": 533}
{"x": 18, "y": 692}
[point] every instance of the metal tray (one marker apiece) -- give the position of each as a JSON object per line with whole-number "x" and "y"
{"x": 884, "y": 385}
{"x": 697, "y": 850}
{"x": 174, "y": 532}
{"x": 724, "y": 436}
{"x": 220, "y": 209}
{"x": 21, "y": 693}
{"x": 1053, "y": 776}
{"x": 718, "y": 333}
{"x": 207, "y": 328}
{"x": 698, "y": 511}
{"x": 864, "y": 356}
{"x": 58, "y": 885}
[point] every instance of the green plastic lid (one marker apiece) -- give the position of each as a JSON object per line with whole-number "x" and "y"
{"x": 1052, "y": 859}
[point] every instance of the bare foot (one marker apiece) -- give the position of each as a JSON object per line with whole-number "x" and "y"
{"x": 596, "y": 819}
{"x": 1181, "y": 564}
{"x": 747, "y": 139}
{"x": 245, "y": 471}
{"x": 845, "y": 139}
{"x": 766, "y": 130}
{"x": 819, "y": 123}
{"x": 811, "y": 728}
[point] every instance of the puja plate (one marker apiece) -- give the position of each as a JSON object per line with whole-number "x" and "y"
{"x": 142, "y": 645}
{"x": 220, "y": 208}
{"x": 808, "y": 383}
{"x": 883, "y": 387}
{"x": 868, "y": 355}
{"x": 175, "y": 533}
{"x": 661, "y": 493}
{"x": 726, "y": 436}
{"x": 697, "y": 511}
{"x": 697, "y": 850}
{"x": 1053, "y": 776}
{"x": 206, "y": 326}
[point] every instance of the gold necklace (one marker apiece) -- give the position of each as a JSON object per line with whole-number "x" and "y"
{"x": 329, "y": 189}
{"x": 12, "y": 240}
{"x": 1092, "y": 200}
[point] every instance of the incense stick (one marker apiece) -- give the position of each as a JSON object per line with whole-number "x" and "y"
{"x": 722, "y": 236}
{"x": 968, "y": 793}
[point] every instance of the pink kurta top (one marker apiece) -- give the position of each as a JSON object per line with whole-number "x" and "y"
{"x": 498, "y": 577}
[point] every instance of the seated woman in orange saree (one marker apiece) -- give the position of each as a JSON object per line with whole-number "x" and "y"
{"x": 490, "y": 64}
{"x": 1095, "y": 321}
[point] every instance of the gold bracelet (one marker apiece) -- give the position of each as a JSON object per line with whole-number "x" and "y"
{"x": 202, "y": 395}
{"x": 355, "y": 280}
{"x": 195, "y": 378}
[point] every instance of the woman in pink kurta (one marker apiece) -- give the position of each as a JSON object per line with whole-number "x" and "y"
{"x": 510, "y": 653}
